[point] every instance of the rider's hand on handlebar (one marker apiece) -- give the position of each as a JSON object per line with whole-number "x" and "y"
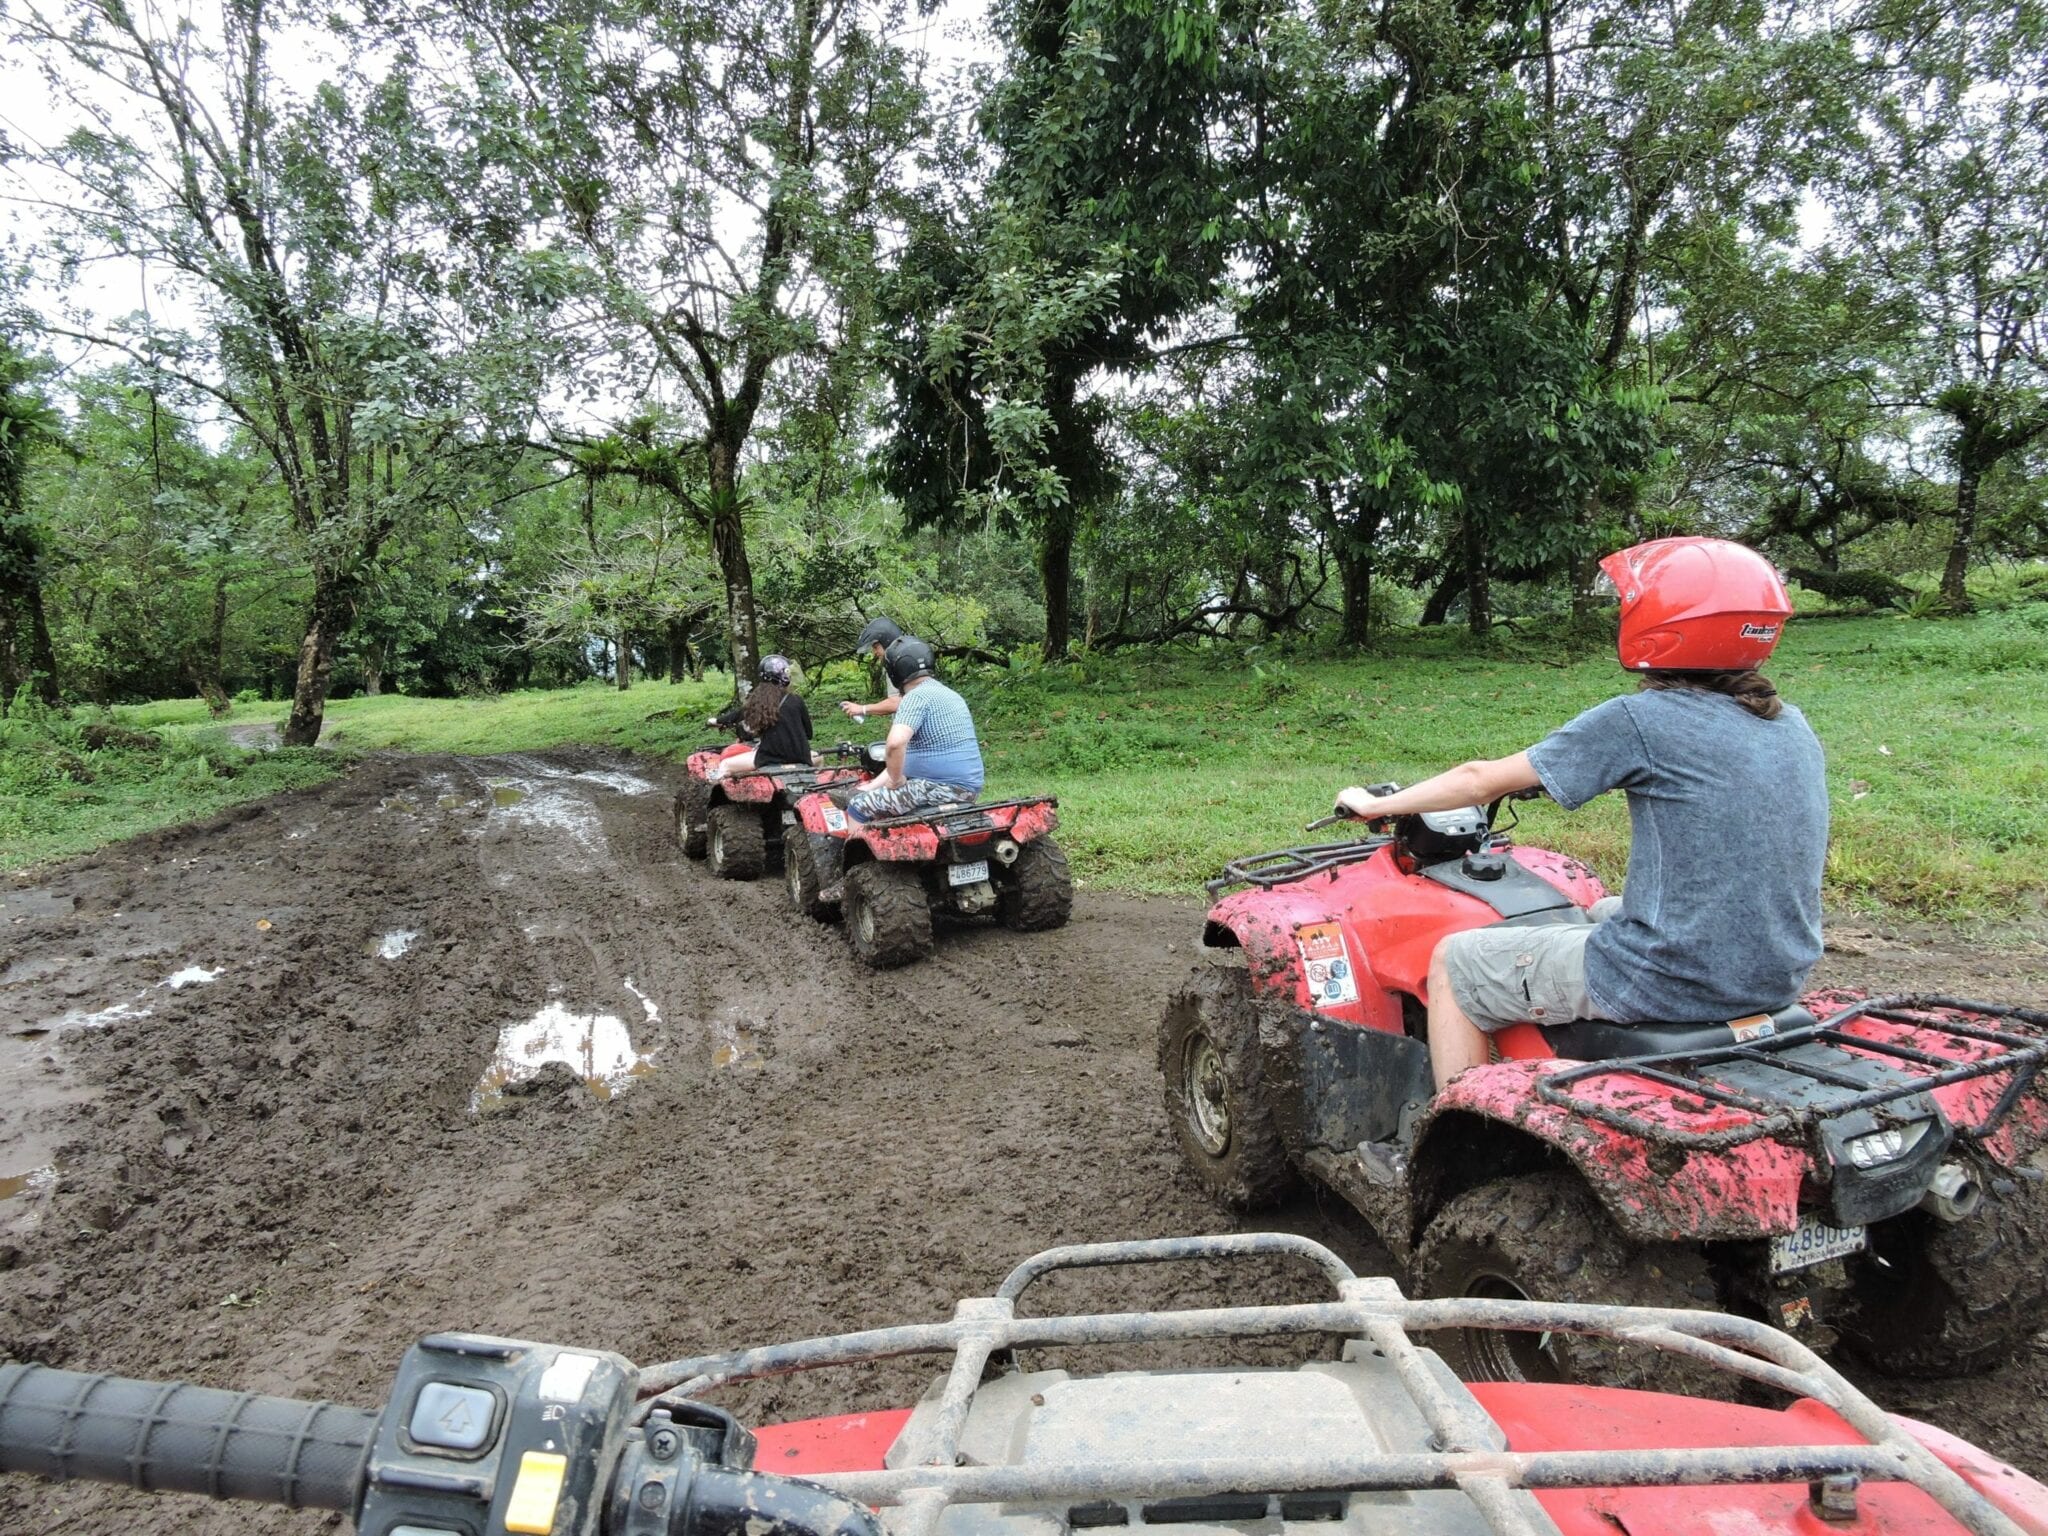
{"x": 1359, "y": 801}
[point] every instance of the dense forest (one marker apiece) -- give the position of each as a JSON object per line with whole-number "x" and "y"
{"x": 458, "y": 345}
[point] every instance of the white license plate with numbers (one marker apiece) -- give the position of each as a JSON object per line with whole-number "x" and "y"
{"x": 968, "y": 874}
{"x": 1815, "y": 1242}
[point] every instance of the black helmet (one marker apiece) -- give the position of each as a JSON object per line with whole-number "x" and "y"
{"x": 908, "y": 660}
{"x": 880, "y": 631}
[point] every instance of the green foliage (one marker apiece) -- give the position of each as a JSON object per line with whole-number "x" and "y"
{"x": 70, "y": 783}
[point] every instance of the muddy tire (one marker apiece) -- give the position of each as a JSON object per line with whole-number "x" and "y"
{"x": 690, "y": 805}
{"x": 1216, "y": 1093}
{"x": 888, "y": 919}
{"x": 1546, "y": 1237}
{"x": 1039, "y": 894}
{"x": 1953, "y": 1298}
{"x": 800, "y": 875}
{"x": 738, "y": 844}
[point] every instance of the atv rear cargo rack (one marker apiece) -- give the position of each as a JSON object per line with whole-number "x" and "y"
{"x": 1283, "y": 866}
{"x": 1467, "y": 1447}
{"x": 2021, "y": 1055}
{"x": 951, "y": 821}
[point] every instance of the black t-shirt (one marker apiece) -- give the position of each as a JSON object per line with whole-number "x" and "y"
{"x": 787, "y": 742}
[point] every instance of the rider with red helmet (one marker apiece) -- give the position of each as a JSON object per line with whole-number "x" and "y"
{"x": 1728, "y": 813}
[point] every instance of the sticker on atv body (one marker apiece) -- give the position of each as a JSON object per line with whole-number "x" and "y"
{"x": 835, "y": 819}
{"x": 1326, "y": 962}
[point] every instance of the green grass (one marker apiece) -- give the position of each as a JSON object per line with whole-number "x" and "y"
{"x": 1166, "y": 766}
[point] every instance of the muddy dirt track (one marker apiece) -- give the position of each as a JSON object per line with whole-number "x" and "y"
{"x": 271, "y": 1174}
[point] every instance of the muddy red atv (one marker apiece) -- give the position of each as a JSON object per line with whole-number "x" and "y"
{"x": 484, "y": 1434}
{"x": 1872, "y": 1170}
{"x": 895, "y": 876}
{"x": 737, "y": 823}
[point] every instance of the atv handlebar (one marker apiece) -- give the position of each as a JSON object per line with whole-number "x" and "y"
{"x": 176, "y": 1437}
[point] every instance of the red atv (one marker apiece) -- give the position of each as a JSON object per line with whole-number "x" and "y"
{"x": 484, "y": 1434}
{"x": 1874, "y": 1169}
{"x": 738, "y": 822}
{"x": 895, "y": 875}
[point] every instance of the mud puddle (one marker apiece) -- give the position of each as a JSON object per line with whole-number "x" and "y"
{"x": 594, "y": 1046}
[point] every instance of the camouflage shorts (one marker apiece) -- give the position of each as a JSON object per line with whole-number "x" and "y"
{"x": 913, "y": 795}
{"x": 1506, "y": 973}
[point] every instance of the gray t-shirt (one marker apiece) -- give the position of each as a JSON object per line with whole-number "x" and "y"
{"x": 1728, "y": 816}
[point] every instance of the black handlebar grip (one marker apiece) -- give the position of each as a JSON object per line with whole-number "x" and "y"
{"x": 170, "y": 1436}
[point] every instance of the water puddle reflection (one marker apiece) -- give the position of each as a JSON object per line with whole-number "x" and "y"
{"x": 34, "y": 1182}
{"x": 737, "y": 1046}
{"x": 392, "y": 945}
{"x": 595, "y": 1046}
{"x": 505, "y": 796}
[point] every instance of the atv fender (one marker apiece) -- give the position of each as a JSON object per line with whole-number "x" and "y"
{"x": 1491, "y": 1115}
{"x": 826, "y": 827}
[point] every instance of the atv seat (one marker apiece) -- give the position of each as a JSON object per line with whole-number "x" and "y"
{"x": 1602, "y": 1040}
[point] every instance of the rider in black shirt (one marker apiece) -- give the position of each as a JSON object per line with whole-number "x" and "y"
{"x": 776, "y": 720}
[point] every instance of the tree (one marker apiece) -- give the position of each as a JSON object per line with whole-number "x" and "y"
{"x": 721, "y": 172}
{"x": 26, "y": 423}
{"x": 1098, "y": 229}
{"x": 308, "y": 234}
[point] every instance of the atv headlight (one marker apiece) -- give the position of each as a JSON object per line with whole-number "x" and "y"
{"x": 1876, "y": 1148}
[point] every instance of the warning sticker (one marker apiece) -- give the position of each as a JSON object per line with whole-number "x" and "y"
{"x": 835, "y": 818}
{"x": 1326, "y": 961}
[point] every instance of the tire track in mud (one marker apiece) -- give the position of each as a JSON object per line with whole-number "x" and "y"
{"x": 276, "y": 1180}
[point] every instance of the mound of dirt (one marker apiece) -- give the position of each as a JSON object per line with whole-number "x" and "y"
{"x": 461, "y": 1043}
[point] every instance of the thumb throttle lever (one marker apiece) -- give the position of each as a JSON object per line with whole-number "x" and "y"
{"x": 689, "y": 1473}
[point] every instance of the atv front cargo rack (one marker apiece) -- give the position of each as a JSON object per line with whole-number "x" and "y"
{"x": 1283, "y": 866}
{"x": 1468, "y": 1453}
{"x": 2020, "y": 1054}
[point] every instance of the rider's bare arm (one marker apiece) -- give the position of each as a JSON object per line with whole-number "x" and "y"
{"x": 899, "y": 738}
{"x": 1474, "y": 783}
{"x": 862, "y": 711}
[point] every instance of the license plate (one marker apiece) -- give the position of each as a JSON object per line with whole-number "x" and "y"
{"x": 1815, "y": 1242}
{"x": 967, "y": 874}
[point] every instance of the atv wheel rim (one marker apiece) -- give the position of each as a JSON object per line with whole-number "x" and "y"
{"x": 1507, "y": 1354}
{"x": 718, "y": 846}
{"x": 1204, "y": 1093}
{"x": 792, "y": 878}
{"x": 867, "y": 924}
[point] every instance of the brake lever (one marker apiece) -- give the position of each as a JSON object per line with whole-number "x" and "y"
{"x": 1330, "y": 820}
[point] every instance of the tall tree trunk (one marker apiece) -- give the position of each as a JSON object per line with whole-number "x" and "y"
{"x": 1446, "y": 592}
{"x": 21, "y": 602}
{"x": 1478, "y": 596}
{"x": 624, "y": 674}
{"x": 729, "y": 546}
{"x": 1355, "y": 569}
{"x": 332, "y": 611}
{"x": 1056, "y": 576}
{"x": 1954, "y": 588}
{"x": 678, "y": 650}
{"x": 373, "y": 669}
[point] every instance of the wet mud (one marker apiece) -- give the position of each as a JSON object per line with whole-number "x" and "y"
{"x": 475, "y": 1049}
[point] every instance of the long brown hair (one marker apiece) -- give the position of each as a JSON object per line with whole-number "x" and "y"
{"x": 1746, "y": 686}
{"x": 764, "y": 708}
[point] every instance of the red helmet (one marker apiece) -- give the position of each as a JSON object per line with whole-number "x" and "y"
{"x": 1696, "y": 605}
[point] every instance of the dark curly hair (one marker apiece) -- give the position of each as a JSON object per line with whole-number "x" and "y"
{"x": 764, "y": 708}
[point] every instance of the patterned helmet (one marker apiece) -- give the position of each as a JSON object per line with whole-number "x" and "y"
{"x": 776, "y": 669}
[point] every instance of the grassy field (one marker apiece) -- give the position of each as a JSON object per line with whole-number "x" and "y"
{"x": 1937, "y": 738}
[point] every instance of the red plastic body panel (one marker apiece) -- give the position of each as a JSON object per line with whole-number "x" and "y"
{"x": 1584, "y": 1418}
{"x": 1387, "y": 924}
{"x": 849, "y": 1442}
{"x": 757, "y": 788}
{"x": 1747, "y": 1191}
{"x": 1593, "y": 1418}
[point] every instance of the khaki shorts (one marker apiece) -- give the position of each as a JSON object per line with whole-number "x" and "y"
{"x": 1512, "y": 975}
